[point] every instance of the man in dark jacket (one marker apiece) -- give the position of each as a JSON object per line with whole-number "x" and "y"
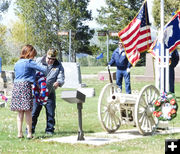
{"x": 174, "y": 61}
{"x": 123, "y": 67}
{"x": 55, "y": 78}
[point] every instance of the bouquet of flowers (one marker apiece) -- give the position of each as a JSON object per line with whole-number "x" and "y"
{"x": 165, "y": 107}
{"x": 4, "y": 98}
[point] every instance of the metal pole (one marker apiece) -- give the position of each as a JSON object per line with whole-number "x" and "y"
{"x": 157, "y": 70}
{"x": 80, "y": 131}
{"x": 70, "y": 45}
{"x": 162, "y": 47}
{"x": 107, "y": 47}
{"x": 167, "y": 70}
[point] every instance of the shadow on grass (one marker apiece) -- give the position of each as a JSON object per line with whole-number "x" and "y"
{"x": 42, "y": 135}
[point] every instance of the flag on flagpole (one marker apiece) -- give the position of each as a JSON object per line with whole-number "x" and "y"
{"x": 171, "y": 36}
{"x": 136, "y": 37}
{"x": 100, "y": 56}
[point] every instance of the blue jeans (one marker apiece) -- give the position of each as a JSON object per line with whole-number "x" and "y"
{"x": 119, "y": 78}
{"x": 50, "y": 113}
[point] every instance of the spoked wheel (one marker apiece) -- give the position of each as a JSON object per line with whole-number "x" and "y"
{"x": 108, "y": 110}
{"x": 145, "y": 121}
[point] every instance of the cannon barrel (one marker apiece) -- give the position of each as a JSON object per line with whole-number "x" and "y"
{"x": 124, "y": 98}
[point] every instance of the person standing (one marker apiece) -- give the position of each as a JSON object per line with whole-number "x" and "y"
{"x": 123, "y": 67}
{"x": 174, "y": 61}
{"x": 54, "y": 79}
{"x": 22, "y": 101}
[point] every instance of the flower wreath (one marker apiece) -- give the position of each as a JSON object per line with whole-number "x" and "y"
{"x": 39, "y": 89}
{"x": 165, "y": 107}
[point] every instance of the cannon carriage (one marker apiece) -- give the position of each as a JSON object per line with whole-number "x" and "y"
{"x": 116, "y": 108}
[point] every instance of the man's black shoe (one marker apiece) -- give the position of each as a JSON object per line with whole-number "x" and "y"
{"x": 50, "y": 133}
{"x": 33, "y": 131}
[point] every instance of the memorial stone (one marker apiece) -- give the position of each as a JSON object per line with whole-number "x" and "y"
{"x": 6, "y": 82}
{"x": 150, "y": 72}
{"x": 72, "y": 75}
{"x": 104, "y": 75}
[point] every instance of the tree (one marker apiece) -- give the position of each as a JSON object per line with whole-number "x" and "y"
{"x": 4, "y": 5}
{"x": 3, "y": 52}
{"x": 118, "y": 13}
{"x": 44, "y": 19}
{"x": 170, "y": 6}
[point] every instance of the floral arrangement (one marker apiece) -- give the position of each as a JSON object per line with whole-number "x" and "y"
{"x": 4, "y": 98}
{"x": 39, "y": 89}
{"x": 165, "y": 107}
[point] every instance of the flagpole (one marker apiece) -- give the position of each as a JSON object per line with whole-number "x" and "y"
{"x": 167, "y": 70}
{"x": 162, "y": 48}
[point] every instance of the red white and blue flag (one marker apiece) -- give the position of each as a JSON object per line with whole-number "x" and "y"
{"x": 136, "y": 37}
{"x": 171, "y": 36}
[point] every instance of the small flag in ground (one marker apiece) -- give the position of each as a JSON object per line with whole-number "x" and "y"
{"x": 100, "y": 56}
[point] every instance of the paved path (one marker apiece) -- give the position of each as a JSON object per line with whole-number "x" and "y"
{"x": 103, "y": 138}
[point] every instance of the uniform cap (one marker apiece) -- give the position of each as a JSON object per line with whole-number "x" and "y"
{"x": 52, "y": 53}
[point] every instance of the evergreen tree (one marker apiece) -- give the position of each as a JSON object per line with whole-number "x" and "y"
{"x": 118, "y": 13}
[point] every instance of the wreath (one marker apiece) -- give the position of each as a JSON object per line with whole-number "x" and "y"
{"x": 165, "y": 107}
{"x": 39, "y": 89}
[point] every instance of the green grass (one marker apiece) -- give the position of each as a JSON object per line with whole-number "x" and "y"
{"x": 67, "y": 124}
{"x": 93, "y": 69}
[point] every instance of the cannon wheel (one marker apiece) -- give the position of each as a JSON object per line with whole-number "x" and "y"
{"x": 108, "y": 111}
{"x": 145, "y": 121}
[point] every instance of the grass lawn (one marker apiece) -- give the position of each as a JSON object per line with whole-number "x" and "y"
{"x": 67, "y": 124}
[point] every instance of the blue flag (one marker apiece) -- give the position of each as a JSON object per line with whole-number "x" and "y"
{"x": 100, "y": 56}
{"x": 171, "y": 35}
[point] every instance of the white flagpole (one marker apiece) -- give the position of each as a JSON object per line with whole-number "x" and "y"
{"x": 157, "y": 70}
{"x": 167, "y": 70}
{"x": 162, "y": 47}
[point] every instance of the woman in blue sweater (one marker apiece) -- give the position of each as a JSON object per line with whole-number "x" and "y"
{"x": 22, "y": 101}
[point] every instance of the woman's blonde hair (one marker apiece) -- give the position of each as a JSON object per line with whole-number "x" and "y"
{"x": 28, "y": 52}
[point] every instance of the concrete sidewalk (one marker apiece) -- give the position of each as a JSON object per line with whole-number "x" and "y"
{"x": 103, "y": 138}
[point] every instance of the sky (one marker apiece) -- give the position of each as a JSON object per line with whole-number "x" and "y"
{"x": 9, "y": 17}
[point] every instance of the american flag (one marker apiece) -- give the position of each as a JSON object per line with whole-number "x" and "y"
{"x": 136, "y": 37}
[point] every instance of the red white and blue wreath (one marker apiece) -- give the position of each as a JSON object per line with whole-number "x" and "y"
{"x": 39, "y": 89}
{"x": 165, "y": 107}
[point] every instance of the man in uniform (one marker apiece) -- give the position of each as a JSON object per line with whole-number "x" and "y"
{"x": 174, "y": 61}
{"x": 55, "y": 78}
{"x": 123, "y": 67}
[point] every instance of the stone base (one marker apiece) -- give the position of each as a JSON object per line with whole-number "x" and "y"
{"x": 89, "y": 92}
{"x": 104, "y": 75}
{"x": 163, "y": 125}
{"x": 2, "y": 104}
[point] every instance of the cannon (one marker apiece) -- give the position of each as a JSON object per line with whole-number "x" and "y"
{"x": 116, "y": 108}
